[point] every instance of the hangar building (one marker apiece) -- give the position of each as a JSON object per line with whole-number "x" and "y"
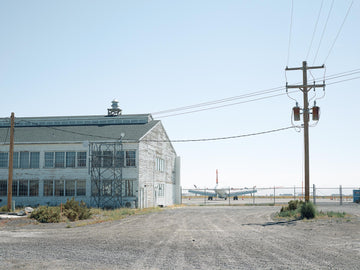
{"x": 111, "y": 160}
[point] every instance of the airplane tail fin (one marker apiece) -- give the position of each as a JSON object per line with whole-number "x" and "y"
{"x": 217, "y": 178}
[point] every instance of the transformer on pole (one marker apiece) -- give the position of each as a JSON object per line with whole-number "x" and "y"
{"x": 305, "y": 88}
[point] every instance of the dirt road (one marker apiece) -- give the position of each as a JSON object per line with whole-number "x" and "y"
{"x": 187, "y": 238}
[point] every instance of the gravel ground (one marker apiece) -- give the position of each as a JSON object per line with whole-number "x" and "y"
{"x": 218, "y": 237}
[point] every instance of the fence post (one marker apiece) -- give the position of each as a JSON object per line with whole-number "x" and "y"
{"x": 340, "y": 195}
{"x": 294, "y": 193}
{"x": 314, "y": 193}
{"x": 229, "y": 196}
{"x": 205, "y": 196}
{"x": 274, "y": 195}
{"x": 253, "y": 196}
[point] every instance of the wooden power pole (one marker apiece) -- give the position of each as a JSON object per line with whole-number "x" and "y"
{"x": 305, "y": 88}
{"x": 11, "y": 158}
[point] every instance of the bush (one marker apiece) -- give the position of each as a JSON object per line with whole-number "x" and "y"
{"x": 74, "y": 210}
{"x": 45, "y": 214}
{"x": 308, "y": 210}
{"x": 293, "y": 205}
{"x": 4, "y": 208}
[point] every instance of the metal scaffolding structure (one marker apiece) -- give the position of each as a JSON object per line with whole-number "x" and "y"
{"x": 106, "y": 165}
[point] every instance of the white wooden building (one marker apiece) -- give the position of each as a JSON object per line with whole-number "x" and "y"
{"x": 106, "y": 161}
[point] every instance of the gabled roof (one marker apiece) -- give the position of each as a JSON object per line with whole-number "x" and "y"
{"x": 101, "y": 129}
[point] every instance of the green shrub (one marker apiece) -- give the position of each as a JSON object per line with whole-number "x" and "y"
{"x": 45, "y": 214}
{"x": 294, "y": 204}
{"x": 74, "y": 210}
{"x": 308, "y": 210}
{"x": 4, "y": 208}
{"x": 71, "y": 214}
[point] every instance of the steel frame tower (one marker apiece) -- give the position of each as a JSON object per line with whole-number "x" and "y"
{"x": 106, "y": 165}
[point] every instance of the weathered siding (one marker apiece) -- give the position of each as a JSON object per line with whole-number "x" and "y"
{"x": 155, "y": 145}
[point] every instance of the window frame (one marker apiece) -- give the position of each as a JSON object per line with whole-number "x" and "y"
{"x": 4, "y": 159}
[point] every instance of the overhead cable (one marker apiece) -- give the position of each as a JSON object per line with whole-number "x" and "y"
{"x": 338, "y": 33}
{"x": 323, "y": 32}
{"x": 171, "y": 141}
{"x": 315, "y": 28}
{"x": 290, "y": 30}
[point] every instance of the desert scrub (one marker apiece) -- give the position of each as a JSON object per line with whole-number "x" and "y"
{"x": 308, "y": 210}
{"x": 46, "y": 214}
{"x": 75, "y": 210}
{"x": 4, "y": 208}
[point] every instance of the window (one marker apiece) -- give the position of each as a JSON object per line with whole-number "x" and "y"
{"x": 70, "y": 188}
{"x": 59, "y": 159}
{"x": 34, "y": 160}
{"x": 59, "y": 188}
{"x": 24, "y": 160}
{"x": 107, "y": 190}
{"x": 159, "y": 163}
{"x": 129, "y": 188}
{"x": 65, "y": 188}
{"x": 48, "y": 187}
{"x": 4, "y": 160}
{"x": 80, "y": 187}
{"x": 3, "y": 187}
{"x": 130, "y": 159}
{"x": 16, "y": 160}
{"x": 70, "y": 159}
{"x": 96, "y": 159}
{"x": 161, "y": 190}
{"x": 94, "y": 189}
{"x": 107, "y": 159}
{"x": 23, "y": 187}
{"x": 49, "y": 159}
{"x": 65, "y": 159}
{"x": 15, "y": 188}
{"x": 34, "y": 188}
{"x": 119, "y": 159}
{"x": 81, "y": 159}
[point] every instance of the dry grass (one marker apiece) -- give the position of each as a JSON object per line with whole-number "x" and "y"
{"x": 99, "y": 215}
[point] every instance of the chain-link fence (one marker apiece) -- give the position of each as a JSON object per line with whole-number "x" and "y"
{"x": 267, "y": 195}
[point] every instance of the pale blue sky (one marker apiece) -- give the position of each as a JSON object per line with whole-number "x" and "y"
{"x": 74, "y": 57}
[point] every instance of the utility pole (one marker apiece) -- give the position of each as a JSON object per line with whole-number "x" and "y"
{"x": 11, "y": 158}
{"x": 305, "y": 88}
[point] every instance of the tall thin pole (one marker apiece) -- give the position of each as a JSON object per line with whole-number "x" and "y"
{"x": 305, "y": 88}
{"x": 306, "y": 133}
{"x": 11, "y": 158}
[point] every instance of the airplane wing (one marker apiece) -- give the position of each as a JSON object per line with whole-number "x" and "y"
{"x": 243, "y": 192}
{"x": 204, "y": 193}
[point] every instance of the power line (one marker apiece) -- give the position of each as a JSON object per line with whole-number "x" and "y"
{"x": 225, "y": 138}
{"x": 214, "y": 102}
{"x": 175, "y": 141}
{"x": 323, "y": 32}
{"x": 315, "y": 28}
{"x": 226, "y": 105}
{"x": 203, "y": 104}
{"x": 355, "y": 78}
{"x": 291, "y": 22}
{"x": 338, "y": 33}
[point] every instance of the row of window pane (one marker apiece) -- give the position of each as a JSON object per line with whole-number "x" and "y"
{"x": 65, "y": 159}
{"x": 109, "y": 188}
{"x": 64, "y": 187}
{"x": 107, "y": 159}
{"x": 25, "y": 160}
{"x": 22, "y": 160}
{"x": 30, "y": 188}
{"x": 21, "y": 188}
